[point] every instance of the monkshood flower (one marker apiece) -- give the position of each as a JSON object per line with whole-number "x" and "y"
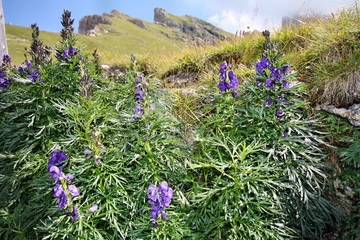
{"x": 138, "y": 111}
{"x": 160, "y": 198}
{"x": 279, "y": 113}
{"x": 6, "y": 61}
{"x": 57, "y": 158}
{"x": 75, "y": 214}
{"x": 268, "y": 102}
{"x": 93, "y": 208}
{"x": 4, "y": 80}
{"x": 262, "y": 65}
{"x": 66, "y": 54}
{"x": 61, "y": 195}
{"x": 223, "y": 84}
{"x": 139, "y": 94}
{"x": 35, "y": 75}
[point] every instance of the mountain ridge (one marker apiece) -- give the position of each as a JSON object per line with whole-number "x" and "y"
{"x": 180, "y": 28}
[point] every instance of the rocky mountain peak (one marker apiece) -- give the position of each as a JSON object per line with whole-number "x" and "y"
{"x": 160, "y": 15}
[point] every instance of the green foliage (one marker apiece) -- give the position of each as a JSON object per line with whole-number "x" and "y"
{"x": 248, "y": 172}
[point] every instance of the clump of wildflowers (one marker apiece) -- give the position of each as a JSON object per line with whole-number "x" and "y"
{"x": 224, "y": 85}
{"x": 160, "y": 198}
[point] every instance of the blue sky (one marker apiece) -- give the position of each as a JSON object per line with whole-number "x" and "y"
{"x": 231, "y": 15}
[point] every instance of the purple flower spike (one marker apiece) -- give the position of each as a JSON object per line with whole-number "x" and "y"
{"x": 286, "y": 134}
{"x": 93, "y": 208}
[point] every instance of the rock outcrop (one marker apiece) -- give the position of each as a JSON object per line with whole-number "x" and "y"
{"x": 189, "y": 27}
{"x": 88, "y": 23}
{"x": 138, "y": 23}
{"x": 352, "y": 113}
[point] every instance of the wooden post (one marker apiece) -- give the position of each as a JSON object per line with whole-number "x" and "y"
{"x": 3, "y": 45}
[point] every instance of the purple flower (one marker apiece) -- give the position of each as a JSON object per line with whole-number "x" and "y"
{"x": 285, "y": 84}
{"x": 234, "y": 82}
{"x": 286, "y": 68}
{"x": 87, "y": 153}
{"x": 28, "y": 63}
{"x": 72, "y": 51}
{"x": 155, "y": 211}
{"x": 57, "y": 158}
{"x": 222, "y": 71}
{"x": 75, "y": 214}
{"x": 235, "y": 93}
{"x": 259, "y": 82}
{"x": 69, "y": 178}
{"x": 56, "y": 173}
{"x": 138, "y": 111}
{"x": 160, "y": 198}
{"x": 166, "y": 193}
{"x": 276, "y": 73}
{"x": 286, "y": 134}
{"x": 6, "y": 60}
{"x": 269, "y": 82}
{"x": 74, "y": 191}
{"x": 262, "y": 65}
{"x": 139, "y": 78}
{"x": 268, "y": 102}
{"x": 65, "y": 54}
{"x": 139, "y": 94}
{"x": 61, "y": 195}
{"x": 279, "y": 114}
{"x": 34, "y": 75}
{"x": 152, "y": 194}
{"x": 93, "y": 208}
{"x": 223, "y": 85}
{"x": 151, "y": 108}
{"x": 4, "y": 80}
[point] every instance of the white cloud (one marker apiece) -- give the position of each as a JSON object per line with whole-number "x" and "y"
{"x": 233, "y": 15}
{"x": 231, "y": 21}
